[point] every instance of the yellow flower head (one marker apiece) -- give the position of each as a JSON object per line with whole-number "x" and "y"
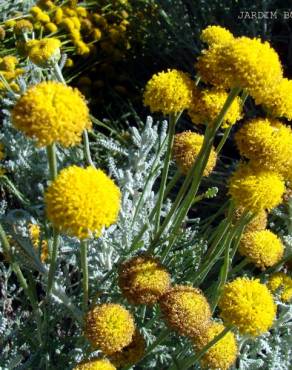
{"x": 131, "y": 354}
{"x": 44, "y": 52}
{"x": 214, "y": 35}
{"x": 169, "y": 92}
{"x": 268, "y": 143}
{"x": 247, "y": 304}
{"x": 143, "y": 280}
{"x": 51, "y": 27}
{"x": 22, "y": 26}
{"x": 207, "y": 105}
{"x": 186, "y": 310}
{"x": 221, "y": 355}
{"x": 8, "y": 64}
{"x": 278, "y": 101}
{"x": 255, "y": 189}
{"x": 95, "y": 364}
{"x": 263, "y": 248}
{"x": 52, "y": 112}
{"x": 257, "y": 223}
{"x": 243, "y": 62}
{"x": 283, "y": 283}
{"x": 82, "y": 201}
{"x": 109, "y": 327}
{"x": 186, "y": 148}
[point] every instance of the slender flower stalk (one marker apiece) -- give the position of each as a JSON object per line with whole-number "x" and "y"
{"x": 53, "y": 263}
{"x": 172, "y": 122}
{"x": 84, "y": 266}
{"x": 197, "y": 171}
{"x": 52, "y": 160}
{"x": 86, "y": 146}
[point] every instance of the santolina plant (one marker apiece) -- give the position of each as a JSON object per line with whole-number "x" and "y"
{"x": 114, "y": 270}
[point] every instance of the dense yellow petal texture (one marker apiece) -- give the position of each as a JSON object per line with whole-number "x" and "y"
{"x": 214, "y": 35}
{"x": 131, "y": 354}
{"x": 45, "y": 51}
{"x": 278, "y": 101}
{"x": 281, "y": 283}
{"x": 258, "y": 222}
{"x": 255, "y": 189}
{"x": 211, "y": 67}
{"x": 263, "y": 248}
{"x": 207, "y": 104}
{"x": 109, "y": 327}
{"x": 169, "y": 92}
{"x": 82, "y": 201}
{"x": 268, "y": 143}
{"x": 52, "y": 112}
{"x": 186, "y": 310}
{"x": 186, "y": 148}
{"x": 98, "y": 364}
{"x": 143, "y": 280}
{"x": 247, "y": 304}
{"x": 243, "y": 62}
{"x": 221, "y": 355}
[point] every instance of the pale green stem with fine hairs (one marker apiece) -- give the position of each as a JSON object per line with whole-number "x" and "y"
{"x": 172, "y": 122}
{"x": 52, "y": 159}
{"x": 198, "y": 169}
{"x": 60, "y": 78}
{"x": 84, "y": 267}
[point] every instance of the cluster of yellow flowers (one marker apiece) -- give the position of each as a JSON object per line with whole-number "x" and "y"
{"x": 9, "y": 72}
{"x": 44, "y": 52}
{"x": 82, "y": 26}
{"x": 143, "y": 280}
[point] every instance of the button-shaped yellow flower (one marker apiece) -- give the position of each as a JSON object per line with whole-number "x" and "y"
{"x": 281, "y": 283}
{"x": 186, "y": 310}
{"x": 82, "y": 201}
{"x": 207, "y": 104}
{"x": 247, "y": 304}
{"x": 263, "y": 248}
{"x": 143, "y": 280}
{"x": 216, "y": 35}
{"x": 109, "y": 327}
{"x": 95, "y": 364}
{"x": 131, "y": 354}
{"x": 186, "y": 148}
{"x": 52, "y": 112}
{"x": 268, "y": 143}
{"x": 169, "y": 92}
{"x": 44, "y": 52}
{"x": 255, "y": 189}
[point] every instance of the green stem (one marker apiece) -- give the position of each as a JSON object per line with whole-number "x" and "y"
{"x": 199, "y": 166}
{"x": 172, "y": 121}
{"x": 53, "y": 263}
{"x": 86, "y": 149}
{"x": 58, "y": 74}
{"x": 84, "y": 267}
{"x": 52, "y": 159}
{"x": 239, "y": 267}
